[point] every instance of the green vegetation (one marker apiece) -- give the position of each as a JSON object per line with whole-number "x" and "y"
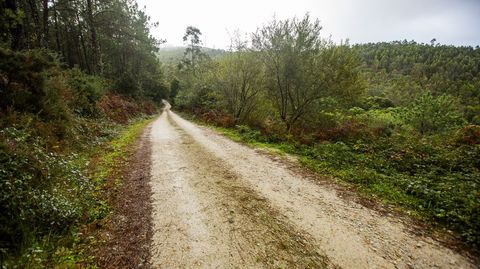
{"x": 397, "y": 120}
{"x": 46, "y": 140}
{"x": 49, "y": 197}
{"x": 73, "y": 75}
{"x": 118, "y": 151}
{"x": 403, "y": 71}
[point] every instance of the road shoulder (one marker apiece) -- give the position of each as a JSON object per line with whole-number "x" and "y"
{"x": 125, "y": 237}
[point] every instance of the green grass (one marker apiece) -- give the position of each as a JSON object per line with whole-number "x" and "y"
{"x": 118, "y": 150}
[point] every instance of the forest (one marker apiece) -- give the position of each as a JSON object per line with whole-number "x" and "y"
{"x": 398, "y": 121}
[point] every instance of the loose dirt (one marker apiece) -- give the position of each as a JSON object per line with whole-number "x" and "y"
{"x": 219, "y": 204}
{"x": 124, "y": 237}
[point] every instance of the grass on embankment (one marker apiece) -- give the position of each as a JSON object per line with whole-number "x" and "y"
{"x": 114, "y": 156}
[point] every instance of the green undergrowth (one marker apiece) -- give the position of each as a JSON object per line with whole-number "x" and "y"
{"x": 49, "y": 198}
{"x": 435, "y": 178}
{"x": 118, "y": 151}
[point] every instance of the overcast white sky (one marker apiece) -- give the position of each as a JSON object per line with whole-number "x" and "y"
{"x": 449, "y": 21}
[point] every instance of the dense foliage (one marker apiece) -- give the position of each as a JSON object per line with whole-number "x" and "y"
{"x": 106, "y": 38}
{"x": 402, "y": 71}
{"x": 70, "y": 73}
{"x": 398, "y": 120}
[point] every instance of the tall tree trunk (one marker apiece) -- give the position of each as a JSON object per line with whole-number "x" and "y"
{"x": 82, "y": 43}
{"x": 45, "y": 39}
{"x": 36, "y": 21}
{"x": 15, "y": 32}
{"x": 57, "y": 30}
{"x": 93, "y": 33}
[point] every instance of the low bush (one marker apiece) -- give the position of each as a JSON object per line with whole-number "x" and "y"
{"x": 216, "y": 117}
{"x": 429, "y": 114}
{"x": 42, "y": 193}
{"x": 86, "y": 92}
{"x": 377, "y": 102}
{"x": 121, "y": 109}
{"x": 469, "y": 135}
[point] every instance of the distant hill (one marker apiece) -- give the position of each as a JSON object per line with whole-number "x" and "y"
{"x": 174, "y": 54}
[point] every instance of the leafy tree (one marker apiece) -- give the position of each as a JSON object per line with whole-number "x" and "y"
{"x": 289, "y": 49}
{"x": 301, "y": 68}
{"x": 106, "y": 38}
{"x": 196, "y": 91}
{"x": 429, "y": 114}
{"x": 22, "y": 85}
{"x": 193, "y": 54}
{"x": 174, "y": 88}
{"x": 240, "y": 80}
{"x": 340, "y": 75}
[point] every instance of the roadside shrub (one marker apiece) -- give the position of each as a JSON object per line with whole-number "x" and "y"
{"x": 215, "y": 117}
{"x": 206, "y": 98}
{"x": 338, "y": 154}
{"x": 34, "y": 92}
{"x": 346, "y": 130}
{"x": 40, "y": 192}
{"x": 86, "y": 91}
{"x": 322, "y": 120}
{"x": 121, "y": 109}
{"x": 469, "y": 135}
{"x": 272, "y": 127}
{"x": 54, "y": 107}
{"x": 382, "y": 122}
{"x": 347, "y": 125}
{"x": 250, "y": 134}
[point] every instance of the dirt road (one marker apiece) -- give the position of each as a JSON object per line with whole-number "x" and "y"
{"x": 220, "y": 204}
